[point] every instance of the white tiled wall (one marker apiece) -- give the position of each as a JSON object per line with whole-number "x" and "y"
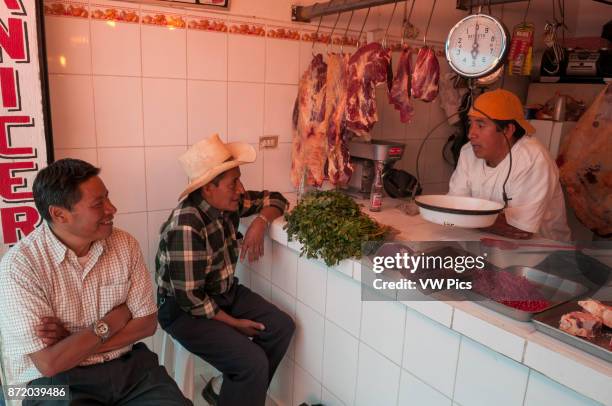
{"x": 131, "y": 97}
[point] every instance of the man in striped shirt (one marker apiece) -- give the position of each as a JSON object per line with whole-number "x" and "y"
{"x": 202, "y": 305}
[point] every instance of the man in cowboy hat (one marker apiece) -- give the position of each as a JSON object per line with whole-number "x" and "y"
{"x": 532, "y": 190}
{"x": 202, "y": 305}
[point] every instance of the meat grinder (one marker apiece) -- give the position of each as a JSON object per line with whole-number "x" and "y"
{"x": 369, "y": 160}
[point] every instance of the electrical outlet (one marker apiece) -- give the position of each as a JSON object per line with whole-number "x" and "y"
{"x": 268, "y": 142}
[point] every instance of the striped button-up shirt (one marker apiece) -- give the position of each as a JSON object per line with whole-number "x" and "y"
{"x": 41, "y": 277}
{"x": 198, "y": 249}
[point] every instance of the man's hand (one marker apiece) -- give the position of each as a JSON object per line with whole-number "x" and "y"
{"x": 51, "y": 330}
{"x": 253, "y": 242}
{"x": 248, "y": 327}
{"x": 501, "y": 227}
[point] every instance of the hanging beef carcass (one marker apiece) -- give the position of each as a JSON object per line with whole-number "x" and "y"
{"x": 367, "y": 68}
{"x": 309, "y": 150}
{"x": 426, "y": 75}
{"x": 399, "y": 94}
{"x": 585, "y": 163}
{"x": 339, "y": 169}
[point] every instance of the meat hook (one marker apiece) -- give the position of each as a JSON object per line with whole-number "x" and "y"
{"x": 429, "y": 22}
{"x": 362, "y": 27}
{"x": 344, "y": 37}
{"x": 406, "y": 24}
{"x": 315, "y": 36}
{"x": 384, "y": 40}
{"x": 331, "y": 34}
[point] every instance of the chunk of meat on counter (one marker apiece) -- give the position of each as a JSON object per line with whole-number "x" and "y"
{"x": 309, "y": 149}
{"x": 367, "y": 69}
{"x": 399, "y": 95}
{"x": 426, "y": 75}
{"x": 598, "y": 309}
{"x": 339, "y": 169}
{"x": 586, "y": 167}
{"x": 580, "y": 324}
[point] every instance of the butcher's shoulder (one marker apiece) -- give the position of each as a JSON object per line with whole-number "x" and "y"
{"x": 529, "y": 152}
{"x": 532, "y": 150}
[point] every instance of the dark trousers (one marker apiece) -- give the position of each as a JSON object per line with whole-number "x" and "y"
{"x": 134, "y": 379}
{"x": 247, "y": 365}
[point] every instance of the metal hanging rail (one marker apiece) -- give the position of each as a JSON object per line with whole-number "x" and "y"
{"x": 466, "y": 4}
{"x": 307, "y": 13}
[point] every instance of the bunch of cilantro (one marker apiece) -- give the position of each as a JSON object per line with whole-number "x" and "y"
{"x": 331, "y": 226}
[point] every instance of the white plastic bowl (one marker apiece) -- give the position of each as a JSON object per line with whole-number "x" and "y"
{"x": 458, "y": 211}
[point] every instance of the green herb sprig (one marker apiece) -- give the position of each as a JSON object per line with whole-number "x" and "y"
{"x": 331, "y": 226}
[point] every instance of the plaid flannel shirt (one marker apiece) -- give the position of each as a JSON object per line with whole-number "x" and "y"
{"x": 198, "y": 249}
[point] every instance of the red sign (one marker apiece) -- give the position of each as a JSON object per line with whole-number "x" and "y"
{"x": 23, "y": 140}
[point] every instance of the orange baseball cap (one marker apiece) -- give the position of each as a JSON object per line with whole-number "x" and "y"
{"x": 501, "y": 104}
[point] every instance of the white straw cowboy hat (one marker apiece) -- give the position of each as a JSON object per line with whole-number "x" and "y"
{"x": 210, "y": 157}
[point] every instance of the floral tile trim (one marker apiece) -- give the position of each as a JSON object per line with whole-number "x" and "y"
{"x": 164, "y": 20}
{"x": 114, "y": 14}
{"x": 283, "y": 33}
{"x": 345, "y": 40}
{"x": 207, "y": 24}
{"x": 322, "y": 37}
{"x": 247, "y": 29}
{"x": 67, "y": 9}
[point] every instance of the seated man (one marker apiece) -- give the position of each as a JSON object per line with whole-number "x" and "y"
{"x": 202, "y": 305}
{"x": 76, "y": 296}
{"x": 535, "y": 199}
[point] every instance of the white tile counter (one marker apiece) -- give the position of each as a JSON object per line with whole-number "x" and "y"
{"x": 353, "y": 352}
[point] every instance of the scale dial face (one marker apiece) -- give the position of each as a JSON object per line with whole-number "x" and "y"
{"x": 476, "y": 45}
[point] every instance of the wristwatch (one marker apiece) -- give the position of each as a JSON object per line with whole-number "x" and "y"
{"x": 100, "y": 329}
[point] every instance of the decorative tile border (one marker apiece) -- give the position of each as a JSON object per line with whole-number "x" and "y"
{"x": 322, "y": 37}
{"x": 206, "y": 24}
{"x": 78, "y": 10}
{"x": 345, "y": 40}
{"x": 283, "y": 33}
{"x": 247, "y": 29}
{"x": 100, "y": 12}
{"x": 163, "y": 19}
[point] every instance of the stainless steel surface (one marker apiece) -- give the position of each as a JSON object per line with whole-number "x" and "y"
{"x": 307, "y": 13}
{"x": 554, "y": 289}
{"x": 377, "y": 150}
{"x": 367, "y": 159}
{"x": 363, "y": 174}
{"x": 548, "y": 323}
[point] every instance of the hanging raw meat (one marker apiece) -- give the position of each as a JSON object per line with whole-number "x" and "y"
{"x": 309, "y": 150}
{"x": 399, "y": 94}
{"x": 367, "y": 68}
{"x": 339, "y": 169}
{"x": 585, "y": 164}
{"x": 426, "y": 75}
